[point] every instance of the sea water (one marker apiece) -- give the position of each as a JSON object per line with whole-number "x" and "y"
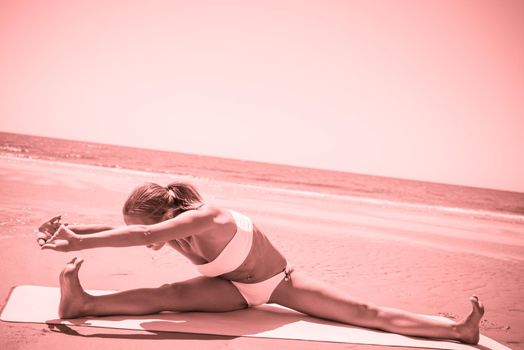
{"x": 375, "y": 190}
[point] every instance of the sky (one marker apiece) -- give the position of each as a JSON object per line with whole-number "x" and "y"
{"x": 426, "y": 90}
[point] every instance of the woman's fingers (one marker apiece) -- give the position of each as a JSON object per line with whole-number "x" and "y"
{"x": 55, "y": 220}
{"x": 63, "y": 240}
{"x": 44, "y": 236}
{"x": 41, "y": 238}
{"x": 48, "y": 229}
{"x": 53, "y": 236}
{"x": 48, "y": 246}
{"x": 50, "y": 226}
{"x": 59, "y": 245}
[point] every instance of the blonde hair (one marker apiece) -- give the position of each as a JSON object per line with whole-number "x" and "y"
{"x": 162, "y": 203}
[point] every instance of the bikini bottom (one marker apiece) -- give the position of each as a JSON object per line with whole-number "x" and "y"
{"x": 260, "y": 293}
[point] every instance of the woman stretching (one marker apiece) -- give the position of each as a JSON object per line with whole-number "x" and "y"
{"x": 240, "y": 268}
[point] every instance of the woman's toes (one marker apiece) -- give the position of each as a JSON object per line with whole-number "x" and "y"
{"x": 79, "y": 263}
{"x": 481, "y": 308}
{"x": 475, "y": 302}
{"x": 478, "y": 308}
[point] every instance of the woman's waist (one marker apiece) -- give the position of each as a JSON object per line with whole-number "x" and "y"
{"x": 257, "y": 268}
{"x": 260, "y": 260}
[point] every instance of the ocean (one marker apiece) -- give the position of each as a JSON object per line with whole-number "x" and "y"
{"x": 376, "y": 190}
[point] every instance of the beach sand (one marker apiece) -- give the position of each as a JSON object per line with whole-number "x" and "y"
{"x": 426, "y": 262}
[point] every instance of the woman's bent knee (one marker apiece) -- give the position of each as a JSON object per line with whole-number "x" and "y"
{"x": 367, "y": 314}
{"x": 175, "y": 290}
{"x": 172, "y": 295}
{"x": 368, "y": 310}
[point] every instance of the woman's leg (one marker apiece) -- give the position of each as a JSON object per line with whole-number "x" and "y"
{"x": 198, "y": 294}
{"x": 319, "y": 299}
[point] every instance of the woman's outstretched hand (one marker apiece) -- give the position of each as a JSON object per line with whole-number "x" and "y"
{"x": 48, "y": 229}
{"x": 64, "y": 240}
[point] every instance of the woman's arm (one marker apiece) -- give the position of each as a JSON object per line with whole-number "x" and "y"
{"x": 48, "y": 228}
{"x": 51, "y": 226}
{"x": 192, "y": 222}
{"x": 81, "y": 229}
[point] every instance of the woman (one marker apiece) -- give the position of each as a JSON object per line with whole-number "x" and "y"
{"x": 240, "y": 268}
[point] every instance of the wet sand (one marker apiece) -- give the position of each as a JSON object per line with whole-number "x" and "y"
{"x": 425, "y": 262}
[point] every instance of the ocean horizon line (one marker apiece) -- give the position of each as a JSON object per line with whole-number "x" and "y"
{"x": 351, "y": 173}
{"x": 474, "y": 213}
{"x": 370, "y": 189}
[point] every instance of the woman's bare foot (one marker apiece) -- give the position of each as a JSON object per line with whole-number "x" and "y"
{"x": 73, "y": 298}
{"x": 468, "y": 329}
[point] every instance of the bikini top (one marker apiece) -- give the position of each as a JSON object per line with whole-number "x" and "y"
{"x": 235, "y": 252}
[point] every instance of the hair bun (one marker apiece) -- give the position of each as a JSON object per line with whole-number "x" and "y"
{"x": 150, "y": 200}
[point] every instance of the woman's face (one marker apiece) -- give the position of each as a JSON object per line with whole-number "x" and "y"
{"x": 139, "y": 220}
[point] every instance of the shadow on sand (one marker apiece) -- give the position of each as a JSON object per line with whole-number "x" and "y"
{"x": 221, "y": 326}
{"x": 189, "y": 325}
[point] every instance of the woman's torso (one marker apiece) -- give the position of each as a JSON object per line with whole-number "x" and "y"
{"x": 262, "y": 262}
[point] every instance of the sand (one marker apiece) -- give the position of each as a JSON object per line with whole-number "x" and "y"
{"x": 425, "y": 262}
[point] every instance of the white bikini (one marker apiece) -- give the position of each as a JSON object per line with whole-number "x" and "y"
{"x": 233, "y": 255}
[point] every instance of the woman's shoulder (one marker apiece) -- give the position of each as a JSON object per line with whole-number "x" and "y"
{"x": 218, "y": 214}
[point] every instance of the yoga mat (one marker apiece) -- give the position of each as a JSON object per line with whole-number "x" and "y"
{"x": 38, "y": 304}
